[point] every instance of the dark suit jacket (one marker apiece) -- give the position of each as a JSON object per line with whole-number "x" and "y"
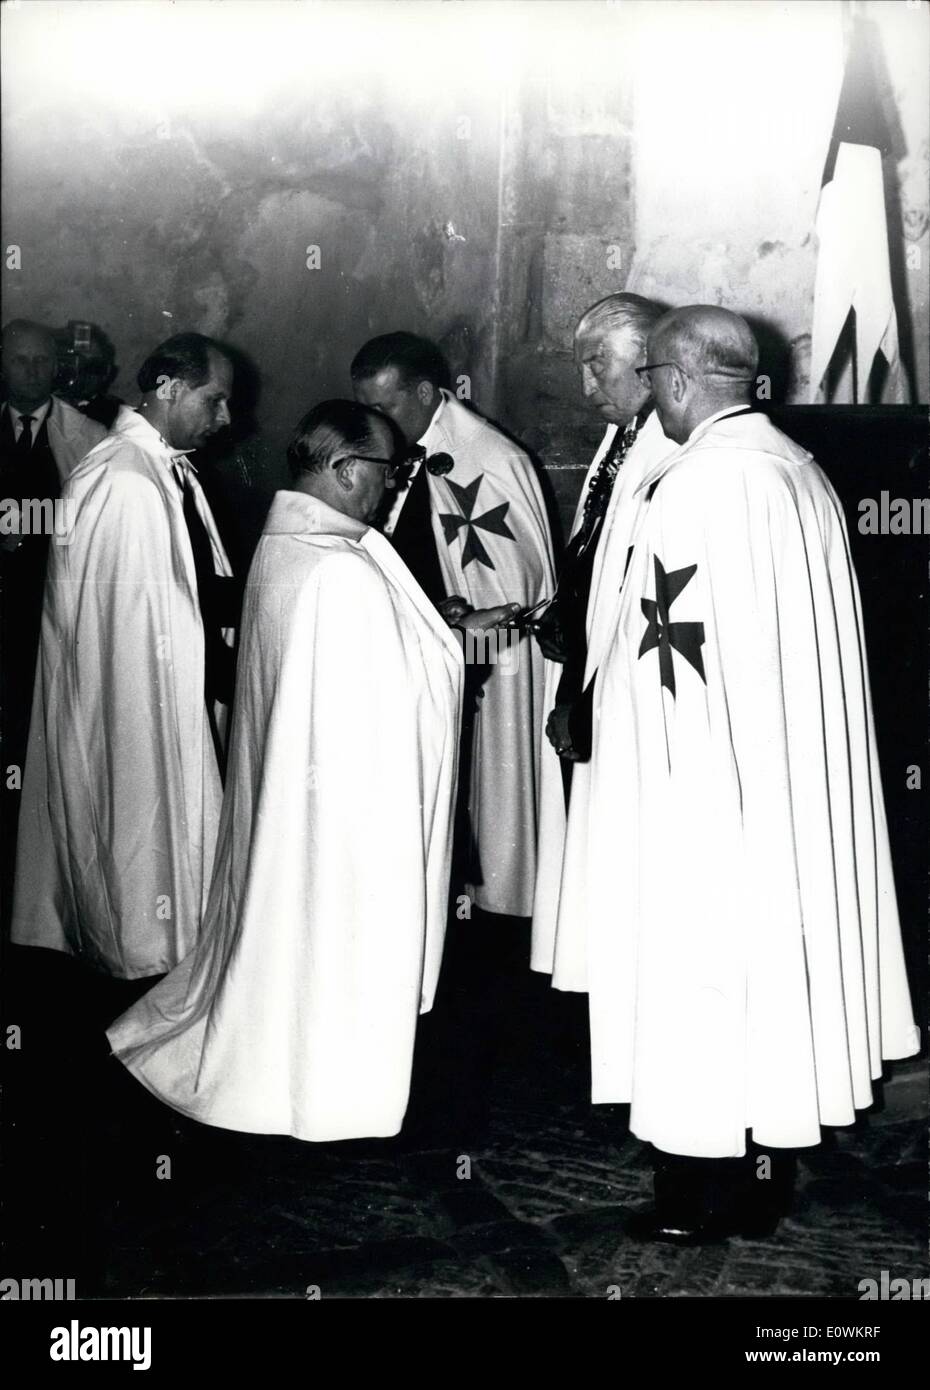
{"x": 414, "y": 541}
{"x": 22, "y": 587}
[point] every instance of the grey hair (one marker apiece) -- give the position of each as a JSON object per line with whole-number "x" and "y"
{"x": 332, "y": 427}
{"x": 621, "y": 311}
{"x": 708, "y": 341}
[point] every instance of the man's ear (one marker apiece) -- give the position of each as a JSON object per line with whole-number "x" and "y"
{"x": 344, "y": 473}
{"x": 169, "y": 388}
{"x": 426, "y": 392}
{"x": 679, "y": 385}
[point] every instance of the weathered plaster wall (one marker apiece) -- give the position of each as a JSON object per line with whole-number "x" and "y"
{"x": 904, "y": 34}
{"x": 187, "y": 208}
{"x": 566, "y": 225}
{"x": 734, "y": 109}
{"x": 683, "y": 159}
{"x": 479, "y": 172}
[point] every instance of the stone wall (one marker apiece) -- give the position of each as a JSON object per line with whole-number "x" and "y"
{"x": 195, "y": 208}
{"x": 683, "y": 160}
{"x": 738, "y": 161}
{"x": 567, "y": 234}
{"x": 477, "y": 172}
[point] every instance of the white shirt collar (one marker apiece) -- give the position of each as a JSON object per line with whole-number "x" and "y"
{"x": 436, "y": 413}
{"x": 37, "y": 416}
{"x": 134, "y": 418}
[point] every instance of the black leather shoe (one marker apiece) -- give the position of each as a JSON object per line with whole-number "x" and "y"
{"x": 702, "y": 1201}
{"x": 648, "y": 1225}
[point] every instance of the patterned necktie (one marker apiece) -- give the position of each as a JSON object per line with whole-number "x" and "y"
{"x": 569, "y": 606}
{"x": 601, "y": 485}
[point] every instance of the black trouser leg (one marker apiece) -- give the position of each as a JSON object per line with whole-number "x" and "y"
{"x": 769, "y": 1176}
{"x": 688, "y": 1190}
{"x": 747, "y": 1194}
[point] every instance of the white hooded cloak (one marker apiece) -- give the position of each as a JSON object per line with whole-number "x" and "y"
{"x": 323, "y": 936}
{"x": 745, "y": 968}
{"x": 122, "y": 793}
{"x": 492, "y": 536}
{"x": 560, "y": 908}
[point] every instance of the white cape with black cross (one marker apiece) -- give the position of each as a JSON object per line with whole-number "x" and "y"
{"x": 745, "y": 965}
{"x": 560, "y": 907}
{"x": 492, "y": 536}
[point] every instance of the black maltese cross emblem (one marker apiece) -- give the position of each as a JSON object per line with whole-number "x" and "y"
{"x": 492, "y": 521}
{"x": 684, "y": 638}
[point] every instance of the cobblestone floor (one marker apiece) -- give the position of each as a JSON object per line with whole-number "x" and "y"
{"x": 531, "y": 1204}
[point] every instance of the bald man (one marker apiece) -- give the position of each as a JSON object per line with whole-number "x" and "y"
{"x": 747, "y": 977}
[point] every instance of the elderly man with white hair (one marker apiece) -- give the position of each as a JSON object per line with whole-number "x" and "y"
{"x": 610, "y": 343}
{"x": 747, "y": 976}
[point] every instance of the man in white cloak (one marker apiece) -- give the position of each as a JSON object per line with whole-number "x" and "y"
{"x": 747, "y": 974}
{"x": 472, "y": 526}
{"x": 574, "y": 632}
{"x": 122, "y": 790}
{"x": 297, "y": 1012}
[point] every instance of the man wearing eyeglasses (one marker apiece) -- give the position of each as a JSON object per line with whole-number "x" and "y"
{"x": 324, "y": 930}
{"x": 747, "y": 977}
{"x": 609, "y": 344}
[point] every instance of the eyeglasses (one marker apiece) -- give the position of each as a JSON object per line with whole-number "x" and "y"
{"x": 644, "y": 372}
{"x": 391, "y": 466}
